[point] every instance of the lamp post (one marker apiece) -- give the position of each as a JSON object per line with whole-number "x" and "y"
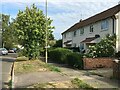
{"x": 46, "y": 43}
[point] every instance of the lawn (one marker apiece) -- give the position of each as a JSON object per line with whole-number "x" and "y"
{"x": 22, "y": 65}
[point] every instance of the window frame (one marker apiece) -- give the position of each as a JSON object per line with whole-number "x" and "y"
{"x": 81, "y": 31}
{"x": 91, "y": 29}
{"x": 104, "y": 25}
{"x": 75, "y": 33}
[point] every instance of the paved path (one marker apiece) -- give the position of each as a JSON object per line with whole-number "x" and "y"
{"x": 5, "y": 73}
{"x": 41, "y": 77}
{"x": 93, "y": 80}
{"x": 67, "y": 74}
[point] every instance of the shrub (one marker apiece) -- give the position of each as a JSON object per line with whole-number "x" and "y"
{"x": 59, "y": 54}
{"x": 75, "y": 60}
{"x": 105, "y": 48}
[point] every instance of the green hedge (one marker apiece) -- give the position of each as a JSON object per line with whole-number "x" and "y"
{"x": 59, "y": 55}
{"x": 75, "y": 60}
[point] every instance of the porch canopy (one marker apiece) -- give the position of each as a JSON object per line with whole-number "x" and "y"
{"x": 69, "y": 42}
{"x": 90, "y": 40}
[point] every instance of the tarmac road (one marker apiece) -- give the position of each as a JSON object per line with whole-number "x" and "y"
{"x": 6, "y": 62}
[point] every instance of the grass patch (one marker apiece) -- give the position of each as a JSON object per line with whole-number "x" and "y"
{"x": 10, "y": 84}
{"x": 23, "y": 58}
{"x": 33, "y": 66}
{"x": 81, "y": 84}
{"x": 93, "y": 73}
{"x": 52, "y": 68}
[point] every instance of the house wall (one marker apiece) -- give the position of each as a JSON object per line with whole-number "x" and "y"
{"x": 118, "y": 31}
{"x": 96, "y": 30}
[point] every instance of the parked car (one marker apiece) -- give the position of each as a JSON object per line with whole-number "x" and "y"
{"x": 3, "y": 51}
{"x": 11, "y": 51}
{"x": 15, "y": 50}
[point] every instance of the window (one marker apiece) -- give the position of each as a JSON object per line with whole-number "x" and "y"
{"x": 65, "y": 35}
{"x": 104, "y": 25}
{"x": 91, "y": 28}
{"x": 82, "y": 31}
{"x": 74, "y": 34}
{"x": 81, "y": 46}
{"x": 74, "y": 44}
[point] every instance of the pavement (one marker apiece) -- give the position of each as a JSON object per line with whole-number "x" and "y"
{"x": 67, "y": 74}
{"x": 5, "y": 72}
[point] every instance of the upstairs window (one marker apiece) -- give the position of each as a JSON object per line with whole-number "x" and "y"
{"x": 104, "y": 25}
{"x": 82, "y": 31}
{"x": 65, "y": 35}
{"x": 91, "y": 28}
{"x": 74, "y": 34}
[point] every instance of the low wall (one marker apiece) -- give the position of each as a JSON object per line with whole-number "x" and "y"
{"x": 116, "y": 69}
{"x": 94, "y": 63}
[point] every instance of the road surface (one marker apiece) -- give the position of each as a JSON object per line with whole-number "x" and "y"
{"x": 5, "y": 69}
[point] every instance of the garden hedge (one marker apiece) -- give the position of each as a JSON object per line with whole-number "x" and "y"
{"x": 59, "y": 55}
{"x": 75, "y": 60}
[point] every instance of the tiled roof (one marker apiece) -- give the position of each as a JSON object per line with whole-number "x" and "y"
{"x": 103, "y": 15}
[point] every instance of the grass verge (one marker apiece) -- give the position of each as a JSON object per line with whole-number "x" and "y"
{"x": 81, "y": 84}
{"x": 26, "y": 66}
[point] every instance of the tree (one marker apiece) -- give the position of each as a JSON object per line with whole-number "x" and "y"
{"x": 8, "y": 36}
{"x": 30, "y": 28}
{"x": 58, "y": 43}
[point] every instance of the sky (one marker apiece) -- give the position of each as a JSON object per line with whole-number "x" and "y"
{"x": 64, "y": 13}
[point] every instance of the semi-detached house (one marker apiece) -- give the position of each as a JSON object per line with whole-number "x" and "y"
{"x": 90, "y": 31}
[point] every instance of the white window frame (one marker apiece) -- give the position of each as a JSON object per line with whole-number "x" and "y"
{"x": 81, "y": 31}
{"x": 75, "y": 33}
{"x": 91, "y": 29}
{"x": 104, "y": 24}
{"x": 65, "y": 35}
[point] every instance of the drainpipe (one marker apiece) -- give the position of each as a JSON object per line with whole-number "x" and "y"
{"x": 113, "y": 28}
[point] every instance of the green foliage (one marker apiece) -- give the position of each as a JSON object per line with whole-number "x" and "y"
{"x": 105, "y": 48}
{"x": 59, "y": 55}
{"x": 30, "y": 28}
{"x": 75, "y": 60}
{"x": 8, "y": 38}
{"x": 58, "y": 43}
{"x": 81, "y": 84}
{"x": 52, "y": 68}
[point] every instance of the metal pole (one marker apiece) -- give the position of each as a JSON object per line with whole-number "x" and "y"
{"x": 46, "y": 56}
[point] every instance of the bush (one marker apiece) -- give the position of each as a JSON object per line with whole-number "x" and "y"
{"x": 75, "y": 60}
{"x": 59, "y": 54}
{"x": 105, "y": 48}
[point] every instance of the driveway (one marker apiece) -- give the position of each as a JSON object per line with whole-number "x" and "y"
{"x": 5, "y": 68}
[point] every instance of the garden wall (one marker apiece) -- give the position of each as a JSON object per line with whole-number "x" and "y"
{"x": 116, "y": 69}
{"x": 94, "y": 63}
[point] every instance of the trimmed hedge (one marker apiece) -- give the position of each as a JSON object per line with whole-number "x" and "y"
{"x": 75, "y": 60}
{"x": 59, "y": 55}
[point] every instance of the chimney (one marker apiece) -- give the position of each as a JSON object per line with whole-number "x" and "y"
{"x": 80, "y": 20}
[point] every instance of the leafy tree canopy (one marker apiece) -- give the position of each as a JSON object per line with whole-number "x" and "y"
{"x": 30, "y": 28}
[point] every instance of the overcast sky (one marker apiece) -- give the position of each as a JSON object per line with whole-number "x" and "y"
{"x": 64, "y": 13}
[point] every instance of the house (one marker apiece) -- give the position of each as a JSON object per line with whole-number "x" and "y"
{"x": 0, "y": 34}
{"x": 91, "y": 30}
